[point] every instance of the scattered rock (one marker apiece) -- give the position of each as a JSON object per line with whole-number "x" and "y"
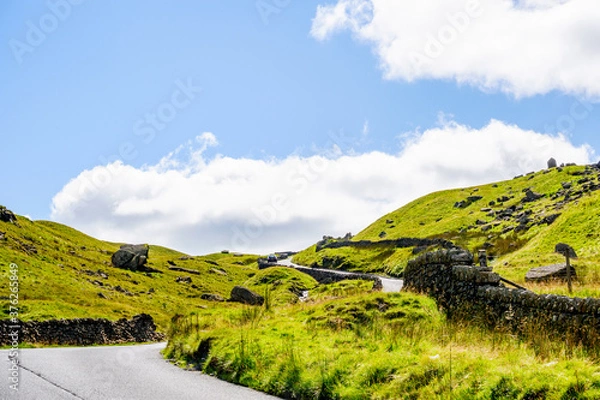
{"x": 102, "y": 295}
{"x": 131, "y": 257}
{"x": 7, "y": 216}
{"x": 389, "y": 221}
{"x": 467, "y": 202}
{"x": 530, "y": 196}
{"x": 183, "y": 279}
{"x": 382, "y": 234}
{"x": 2, "y": 235}
{"x": 552, "y": 163}
{"x": 548, "y": 219}
{"x": 240, "y": 294}
{"x": 172, "y": 263}
{"x": 185, "y": 258}
{"x": 122, "y": 290}
{"x": 548, "y": 272}
{"x": 212, "y": 297}
{"x": 217, "y": 271}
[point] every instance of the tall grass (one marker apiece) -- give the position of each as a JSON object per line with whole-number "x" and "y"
{"x": 378, "y": 346}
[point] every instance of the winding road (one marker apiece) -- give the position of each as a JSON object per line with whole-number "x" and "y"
{"x": 121, "y": 372}
{"x": 112, "y": 373}
{"x": 389, "y": 284}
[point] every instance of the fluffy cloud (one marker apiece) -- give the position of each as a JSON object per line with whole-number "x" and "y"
{"x": 524, "y": 47}
{"x": 201, "y": 205}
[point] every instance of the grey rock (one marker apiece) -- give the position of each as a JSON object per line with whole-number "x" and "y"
{"x": 548, "y": 272}
{"x": 131, "y": 257}
{"x": 552, "y": 163}
{"x": 548, "y": 219}
{"x": 6, "y": 215}
{"x": 240, "y": 294}
{"x": 212, "y": 297}
{"x": 530, "y": 196}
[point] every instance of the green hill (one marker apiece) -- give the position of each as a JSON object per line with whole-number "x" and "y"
{"x": 518, "y": 221}
{"x": 64, "y": 273}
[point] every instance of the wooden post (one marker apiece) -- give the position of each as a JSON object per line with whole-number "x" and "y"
{"x": 568, "y": 271}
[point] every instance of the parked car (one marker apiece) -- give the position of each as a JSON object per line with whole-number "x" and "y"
{"x": 272, "y": 258}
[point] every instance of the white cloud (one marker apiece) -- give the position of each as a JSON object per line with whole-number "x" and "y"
{"x": 201, "y": 205}
{"x": 524, "y": 47}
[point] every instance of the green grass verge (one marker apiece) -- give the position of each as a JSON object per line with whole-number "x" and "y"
{"x": 347, "y": 343}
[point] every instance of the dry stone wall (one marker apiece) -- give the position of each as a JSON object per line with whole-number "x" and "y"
{"x": 465, "y": 291}
{"x": 80, "y": 332}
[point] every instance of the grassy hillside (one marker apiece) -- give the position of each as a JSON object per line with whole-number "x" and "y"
{"x": 64, "y": 273}
{"x": 348, "y": 343}
{"x": 518, "y": 234}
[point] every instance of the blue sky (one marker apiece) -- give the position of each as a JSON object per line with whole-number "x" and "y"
{"x": 300, "y": 80}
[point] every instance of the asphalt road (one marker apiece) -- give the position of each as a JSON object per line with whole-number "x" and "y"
{"x": 389, "y": 284}
{"x": 112, "y": 373}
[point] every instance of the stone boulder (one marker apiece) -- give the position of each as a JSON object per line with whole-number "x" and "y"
{"x": 131, "y": 256}
{"x": 6, "y": 215}
{"x": 240, "y": 294}
{"x": 552, "y": 163}
{"x": 549, "y": 272}
{"x": 530, "y": 196}
{"x": 212, "y": 297}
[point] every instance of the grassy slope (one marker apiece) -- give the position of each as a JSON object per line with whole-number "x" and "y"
{"x": 56, "y": 282}
{"x": 434, "y": 215}
{"x": 347, "y": 343}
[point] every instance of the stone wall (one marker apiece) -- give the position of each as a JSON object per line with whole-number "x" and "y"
{"x": 327, "y": 276}
{"x": 465, "y": 291}
{"x": 80, "y": 332}
{"x": 401, "y": 243}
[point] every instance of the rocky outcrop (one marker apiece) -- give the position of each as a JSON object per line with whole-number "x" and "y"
{"x": 548, "y": 273}
{"x": 240, "y": 294}
{"x": 6, "y": 215}
{"x": 467, "y": 202}
{"x": 81, "y": 331}
{"x": 131, "y": 256}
